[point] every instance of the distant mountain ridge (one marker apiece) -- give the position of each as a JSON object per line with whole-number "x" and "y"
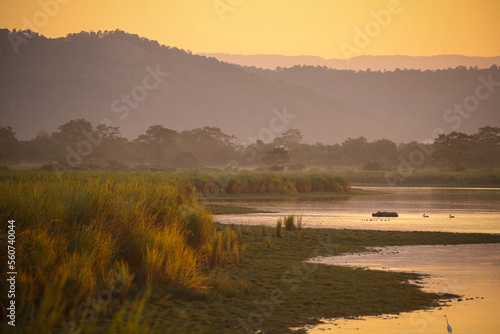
{"x": 134, "y": 83}
{"x": 374, "y": 63}
{"x": 99, "y": 77}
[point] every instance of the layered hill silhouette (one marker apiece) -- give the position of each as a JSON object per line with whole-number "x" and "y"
{"x": 133, "y": 83}
{"x": 409, "y": 104}
{"x": 51, "y": 81}
{"x": 359, "y": 63}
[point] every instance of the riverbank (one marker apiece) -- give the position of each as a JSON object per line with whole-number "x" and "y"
{"x": 475, "y": 275}
{"x": 470, "y": 179}
{"x": 137, "y": 252}
{"x": 273, "y": 289}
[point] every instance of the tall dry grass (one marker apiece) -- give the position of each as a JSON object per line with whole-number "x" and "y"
{"x": 279, "y": 229}
{"x": 210, "y": 183}
{"x": 93, "y": 232}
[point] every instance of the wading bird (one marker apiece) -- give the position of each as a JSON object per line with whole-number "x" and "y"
{"x": 448, "y": 327}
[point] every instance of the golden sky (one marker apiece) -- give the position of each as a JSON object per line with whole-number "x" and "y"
{"x": 326, "y": 28}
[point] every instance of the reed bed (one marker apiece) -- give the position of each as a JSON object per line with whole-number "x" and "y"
{"x": 136, "y": 253}
{"x": 86, "y": 233}
{"x": 253, "y": 182}
{"x": 289, "y": 222}
{"x": 279, "y": 229}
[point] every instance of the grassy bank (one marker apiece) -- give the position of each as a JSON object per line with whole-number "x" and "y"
{"x": 137, "y": 252}
{"x": 482, "y": 179}
{"x": 89, "y": 239}
{"x": 273, "y": 289}
{"x": 215, "y": 183}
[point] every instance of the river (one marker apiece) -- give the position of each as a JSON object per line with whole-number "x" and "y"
{"x": 475, "y": 210}
{"x": 472, "y": 271}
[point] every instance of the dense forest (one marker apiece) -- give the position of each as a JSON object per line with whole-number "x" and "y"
{"x": 78, "y": 145}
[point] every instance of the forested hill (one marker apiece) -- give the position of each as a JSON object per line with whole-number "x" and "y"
{"x": 364, "y": 62}
{"x": 133, "y": 83}
{"x": 407, "y": 104}
{"x": 51, "y": 81}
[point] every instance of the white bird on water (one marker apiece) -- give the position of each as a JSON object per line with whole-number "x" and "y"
{"x": 448, "y": 327}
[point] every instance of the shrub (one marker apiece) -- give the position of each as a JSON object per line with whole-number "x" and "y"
{"x": 223, "y": 249}
{"x": 289, "y": 222}
{"x": 199, "y": 224}
{"x": 279, "y": 229}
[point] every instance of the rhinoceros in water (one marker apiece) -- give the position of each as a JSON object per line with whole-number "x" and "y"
{"x": 385, "y": 214}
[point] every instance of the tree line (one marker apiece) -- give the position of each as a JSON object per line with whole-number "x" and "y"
{"x": 79, "y": 145}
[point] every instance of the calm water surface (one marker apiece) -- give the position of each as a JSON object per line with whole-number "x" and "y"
{"x": 475, "y": 210}
{"x": 472, "y": 271}
{"x": 469, "y": 270}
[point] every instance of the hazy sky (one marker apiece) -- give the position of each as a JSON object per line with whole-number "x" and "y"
{"x": 326, "y": 28}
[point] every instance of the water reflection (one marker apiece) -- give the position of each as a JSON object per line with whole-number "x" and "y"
{"x": 475, "y": 210}
{"x": 472, "y": 271}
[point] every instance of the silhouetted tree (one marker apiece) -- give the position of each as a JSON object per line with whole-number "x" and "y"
{"x": 73, "y": 131}
{"x": 486, "y": 148}
{"x": 111, "y": 145}
{"x": 356, "y": 149}
{"x": 209, "y": 144}
{"x": 157, "y": 144}
{"x": 417, "y": 154}
{"x": 451, "y": 150}
{"x": 276, "y": 158}
{"x": 383, "y": 151}
{"x": 9, "y": 145}
{"x": 290, "y": 139}
{"x": 41, "y": 148}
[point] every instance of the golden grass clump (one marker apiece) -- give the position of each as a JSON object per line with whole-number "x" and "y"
{"x": 279, "y": 229}
{"x": 251, "y": 182}
{"x": 79, "y": 234}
